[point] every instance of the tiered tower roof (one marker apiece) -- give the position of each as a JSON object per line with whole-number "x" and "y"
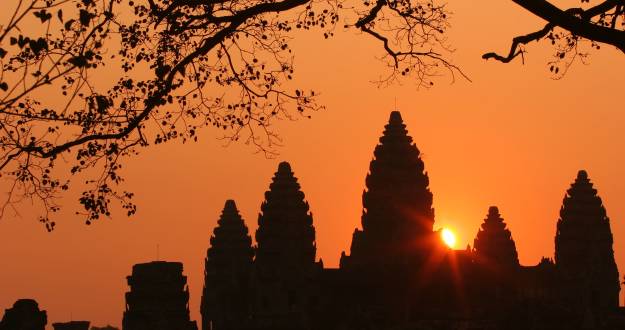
{"x": 493, "y": 244}
{"x": 397, "y": 202}
{"x": 230, "y": 243}
{"x": 227, "y": 269}
{"x": 584, "y": 254}
{"x": 285, "y": 235}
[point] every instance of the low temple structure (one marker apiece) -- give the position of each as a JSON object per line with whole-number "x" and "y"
{"x": 398, "y": 274}
{"x": 71, "y": 325}
{"x": 158, "y": 298}
{"x": 24, "y": 315}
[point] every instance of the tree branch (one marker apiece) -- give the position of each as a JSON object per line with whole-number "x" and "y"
{"x": 578, "y": 25}
{"x": 154, "y": 100}
{"x": 521, "y": 40}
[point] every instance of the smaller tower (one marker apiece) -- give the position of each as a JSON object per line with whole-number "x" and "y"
{"x": 285, "y": 235}
{"x": 493, "y": 245}
{"x": 158, "y": 298}
{"x": 285, "y": 270}
{"x": 225, "y": 299}
{"x": 496, "y": 265}
{"x": 25, "y": 315}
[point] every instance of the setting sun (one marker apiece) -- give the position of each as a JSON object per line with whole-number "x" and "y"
{"x": 448, "y": 237}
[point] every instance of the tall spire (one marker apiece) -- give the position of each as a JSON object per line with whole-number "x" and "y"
{"x": 284, "y": 268}
{"x": 285, "y": 235}
{"x": 584, "y": 255}
{"x": 230, "y": 242}
{"x": 397, "y": 202}
{"x": 227, "y": 270}
{"x": 493, "y": 244}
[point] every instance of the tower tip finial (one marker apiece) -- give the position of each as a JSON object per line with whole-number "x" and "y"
{"x": 395, "y": 117}
{"x": 284, "y": 167}
{"x": 230, "y": 203}
{"x": 582, "y": 174}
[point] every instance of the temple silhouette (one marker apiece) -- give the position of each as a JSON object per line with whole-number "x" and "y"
{"x": 158, "y": 298}
{"x": 398, "y": 273}
{"x": 24, "y": 315}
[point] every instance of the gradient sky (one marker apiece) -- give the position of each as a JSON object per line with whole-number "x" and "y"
{"x": 513, "y": 137}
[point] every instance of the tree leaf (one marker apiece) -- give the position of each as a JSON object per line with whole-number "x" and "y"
{"x": 68, "y": 24}
{"x": 85, "y": 17}
{"x": 43, "y": 15}
{"x": 78, "y": 61}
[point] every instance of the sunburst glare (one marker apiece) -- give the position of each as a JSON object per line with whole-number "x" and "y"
{"x": 448, "y": 237}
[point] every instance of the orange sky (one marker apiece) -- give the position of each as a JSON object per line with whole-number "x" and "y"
{"x": 513, "y": 138}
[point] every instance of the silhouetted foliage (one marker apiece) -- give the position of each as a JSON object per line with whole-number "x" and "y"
{"x": 184, "y": 65}
{"x": 571, "y": 31}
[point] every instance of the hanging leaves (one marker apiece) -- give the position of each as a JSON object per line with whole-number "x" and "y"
{"x": 85, "y": 17}
{"x": 43, "y": 15}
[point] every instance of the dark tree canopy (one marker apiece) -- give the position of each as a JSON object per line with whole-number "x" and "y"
{"x": 571, "y": 31}
{"x": 182, "y": 65}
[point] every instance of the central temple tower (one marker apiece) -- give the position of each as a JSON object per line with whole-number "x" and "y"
{"x": 397, "y": 216}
